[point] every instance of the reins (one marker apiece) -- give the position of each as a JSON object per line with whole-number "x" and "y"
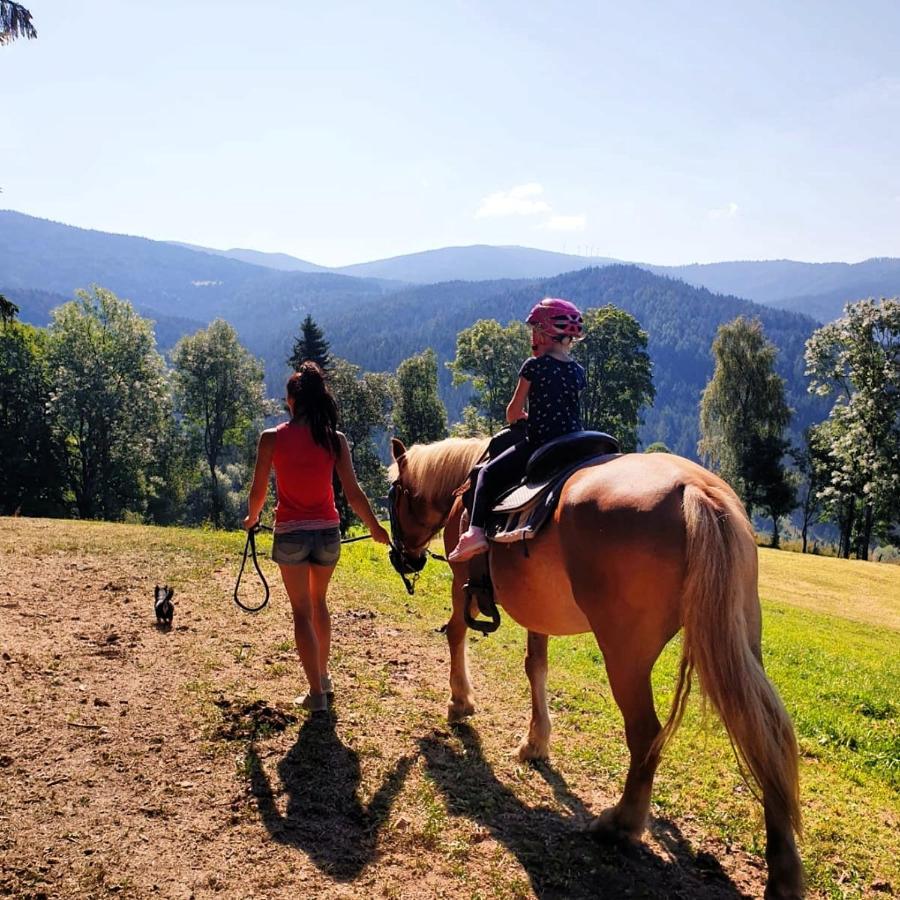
{"x": 250, "y": 547}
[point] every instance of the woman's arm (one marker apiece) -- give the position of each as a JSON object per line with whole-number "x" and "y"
{"x": 260, "y": 486}
{"x": 516, "y": 410}
{"x": 358, "y": 501}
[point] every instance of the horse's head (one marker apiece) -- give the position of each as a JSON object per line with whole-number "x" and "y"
{"x": 423, "y": 481}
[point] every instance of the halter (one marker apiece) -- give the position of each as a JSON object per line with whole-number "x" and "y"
{"x": 405, "y": 565}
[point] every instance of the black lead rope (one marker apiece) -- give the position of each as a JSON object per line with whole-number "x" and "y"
{"x": 250, "y": 547}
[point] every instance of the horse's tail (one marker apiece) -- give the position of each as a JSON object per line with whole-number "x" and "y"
{"x": 722, "y": 643}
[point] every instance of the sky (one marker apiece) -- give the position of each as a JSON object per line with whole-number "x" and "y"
{"x": 663, "y": 132}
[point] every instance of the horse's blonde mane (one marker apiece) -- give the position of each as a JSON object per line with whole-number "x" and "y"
{"x": 435, "y": 471}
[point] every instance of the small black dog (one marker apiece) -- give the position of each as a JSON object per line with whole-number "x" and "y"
{"x": 163, "y": 605}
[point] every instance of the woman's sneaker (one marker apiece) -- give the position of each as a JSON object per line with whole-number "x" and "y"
{"x": 470, "y": 544}
{"x": 312, "y": 702}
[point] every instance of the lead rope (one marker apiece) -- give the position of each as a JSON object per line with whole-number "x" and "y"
{"x": 250, "y": 546}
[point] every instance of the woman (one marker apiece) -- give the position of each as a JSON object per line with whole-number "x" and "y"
{"x": 306, "y": 452}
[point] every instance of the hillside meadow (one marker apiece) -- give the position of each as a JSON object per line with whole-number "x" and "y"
{"x": 143, "y": 763}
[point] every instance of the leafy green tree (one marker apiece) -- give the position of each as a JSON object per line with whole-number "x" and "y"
{"x": 419, "y": 414}
{"x": 811, "y": 460}
{"x": 490, "y": 356}
{"x": 743, "y": 410}
{"x": 15, "y": 22}
{"x": 364, "y": 413}
{"x": 31, "y": 476}
{"x": 772, "y": 487}
{"x": 107, "y": 403}
{"x": 856, "y": 359}
{"x": 219, "y": 392}
{"x": 657, "y": 447}
{"x": 310, "y": 345}
{"x": 617, "y": 366}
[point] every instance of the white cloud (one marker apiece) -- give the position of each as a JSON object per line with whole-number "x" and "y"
{"x": 565, "y": 223}
{"x": 726, "y": 212}
{"x": 522, "y": 200}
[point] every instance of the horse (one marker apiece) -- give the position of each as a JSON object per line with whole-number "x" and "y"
{"x": 639, "y": 547}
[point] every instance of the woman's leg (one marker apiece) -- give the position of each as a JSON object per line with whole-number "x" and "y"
{"x": 319, "y": 578}
{"x": 296, "y": 583}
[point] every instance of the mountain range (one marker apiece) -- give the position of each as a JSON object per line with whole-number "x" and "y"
{"x": 378, "y": 313}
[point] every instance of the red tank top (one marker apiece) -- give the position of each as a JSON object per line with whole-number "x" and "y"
{"x": 303, "y": 472}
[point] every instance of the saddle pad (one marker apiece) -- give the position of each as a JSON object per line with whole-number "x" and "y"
{"x": 526, "y": 495}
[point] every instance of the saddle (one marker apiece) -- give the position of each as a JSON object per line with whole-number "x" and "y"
{"x": 522, "y": 510}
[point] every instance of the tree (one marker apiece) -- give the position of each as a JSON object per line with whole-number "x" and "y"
{"x": 771, "y": 487}
{"x": 490, "y": 356}
{"x": 743, "y": 411}
{"x": 15, "y": 22}
{"x": 657, "y": 447}
{"x": 8, "y": 311}
{"x": 31, "y": 476}
{"x": 857, "y": 360}
{"x": 219, "y": 393}
{"x": 419, "y": 415}
{"x": 310, "y": 344}
{"x": 108, "y": 401}
{"x": 811, "y": 461}
{"x": 364, "y": 412}
{"x": 617, "y": 366}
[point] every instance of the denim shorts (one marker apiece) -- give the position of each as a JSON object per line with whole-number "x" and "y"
{"x": 321, "y": 547}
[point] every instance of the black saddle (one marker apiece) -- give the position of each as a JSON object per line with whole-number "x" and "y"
{"x": 520, "y": 512}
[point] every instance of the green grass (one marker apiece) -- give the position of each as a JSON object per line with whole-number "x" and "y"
{"x": 831, "y": 646}
{"x": 839, "y": 678}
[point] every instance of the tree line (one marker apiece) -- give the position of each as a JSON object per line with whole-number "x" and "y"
{"x": 96, "y": 423}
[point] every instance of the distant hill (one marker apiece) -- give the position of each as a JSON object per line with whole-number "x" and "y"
{"x": 819, "y": 290}
{"x": 476, "y": 263}
{"x": 280, "y": 261}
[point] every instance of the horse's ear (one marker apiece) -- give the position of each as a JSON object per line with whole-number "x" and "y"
{"x": 397, "y": 451}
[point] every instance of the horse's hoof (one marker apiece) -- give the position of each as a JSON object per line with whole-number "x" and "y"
{"x": 531, "y": 752}
{"x": 607, "y": 829}
{"x": 456, "y": 712}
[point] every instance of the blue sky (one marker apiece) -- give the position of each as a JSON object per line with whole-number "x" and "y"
{"x": 338, "y": 132}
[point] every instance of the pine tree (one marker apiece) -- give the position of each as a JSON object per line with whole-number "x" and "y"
{"x": 15, "y": 22}
{"x": 310, "y": 345}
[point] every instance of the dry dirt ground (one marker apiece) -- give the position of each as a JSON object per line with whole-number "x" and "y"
{"x": 139, "y": 762}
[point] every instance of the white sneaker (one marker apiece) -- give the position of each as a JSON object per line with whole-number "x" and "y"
{"x": 470, "y": 544}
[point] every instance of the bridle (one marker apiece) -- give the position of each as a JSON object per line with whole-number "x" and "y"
{"x": 405, "y": 564}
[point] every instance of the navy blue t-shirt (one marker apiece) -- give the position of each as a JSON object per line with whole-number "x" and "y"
{"x": 553, "y": 403}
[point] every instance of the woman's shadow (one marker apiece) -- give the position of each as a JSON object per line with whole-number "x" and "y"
{"x": 323, "y": 815}
{"x": 561, "y": 859}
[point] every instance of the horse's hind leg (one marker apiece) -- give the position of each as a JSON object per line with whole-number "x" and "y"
{"x": 629, "y": 679}
{"x": 536, "y": 744}
{"x": 462, "y": 702}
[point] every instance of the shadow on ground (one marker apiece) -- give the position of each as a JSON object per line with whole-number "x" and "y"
{"x": 560, "y": 858}
{"x": 323, "y": 814}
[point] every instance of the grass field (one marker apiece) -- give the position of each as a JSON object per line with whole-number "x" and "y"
{"x": 460, "y": 817}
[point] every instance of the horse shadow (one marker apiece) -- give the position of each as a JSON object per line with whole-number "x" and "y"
{"x": 323, "y": 815}
{"x": 558, "y": 854}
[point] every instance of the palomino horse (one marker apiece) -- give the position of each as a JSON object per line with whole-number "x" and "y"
{"x": 640, "y": 546}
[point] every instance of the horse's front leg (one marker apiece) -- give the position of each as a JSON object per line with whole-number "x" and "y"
{"x": 462, "y": 701}
{"x": 536, "y": 743}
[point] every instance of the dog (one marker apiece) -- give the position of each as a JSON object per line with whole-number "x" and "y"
{"x": 163, "y": 605}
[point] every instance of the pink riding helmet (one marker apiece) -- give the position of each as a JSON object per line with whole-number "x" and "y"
{"x": 557, "y": 318}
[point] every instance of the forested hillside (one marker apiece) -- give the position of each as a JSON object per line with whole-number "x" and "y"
{"x": 680, "y": 320}
{"x": 377, "y": 324}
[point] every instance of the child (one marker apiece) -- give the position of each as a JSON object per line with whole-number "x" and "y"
{"x": 549, "y": 383}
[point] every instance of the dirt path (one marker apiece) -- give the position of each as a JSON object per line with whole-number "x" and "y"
{"x": 142, "y": 763}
